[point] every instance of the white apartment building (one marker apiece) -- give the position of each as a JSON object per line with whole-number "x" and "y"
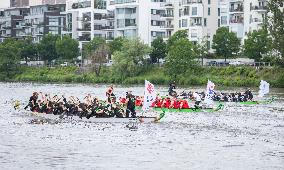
{"x": 200, "y": 19}
{"x": 86, "y": 19}
{"x": 223, "y": 11}
{"x": 255, "y": 11}
{"x": 145, "y": 19}
{"x": 44, "y": 2}
{"x": 236, "y": 17}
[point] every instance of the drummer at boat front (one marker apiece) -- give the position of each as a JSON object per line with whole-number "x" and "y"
{"x": 109, "y": 93}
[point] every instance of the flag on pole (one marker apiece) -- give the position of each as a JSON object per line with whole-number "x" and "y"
{"x": 263, "y": 88}
{"x": 149, "y": 95}
{"x": 209, "y": 92}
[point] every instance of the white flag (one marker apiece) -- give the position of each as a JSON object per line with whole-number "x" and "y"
{"x": 209, "y": 92}
{"x": 149, "y": 95}
{"x": 263, "y": 88}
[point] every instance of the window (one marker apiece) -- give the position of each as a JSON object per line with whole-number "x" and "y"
{"x": 218, "y": 11}
{"x": 209, "y": 1}
{"x": 209, "y": 11}
{"x": 218, "y": 22}
{"x": 194, "y": 11}
{"x": 224, "y": 20}
{"x": 205, "y": 22}
{"x": 184, "y": 22}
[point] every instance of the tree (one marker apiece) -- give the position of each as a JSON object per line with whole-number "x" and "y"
{"x": 28, "y": 49}
{"x": 97, "y": 51}
{"x": 67, "y": 48}
{"x": 180, "y": 57}
{"x": 158, "y": 49}
{"x": 93, "y": 45}
{"x": 201, "y": 49}
{"x": 225, "y": 43}
{"x": 257, "y": 44}
{"x": 131, "y": 59}
{"x": 9, "y": 56}
{"x": 98, "y": 57}
{"x": 274, "y": 23}
{"x": 116, "y": 44}
{"x": 177, "y": 36}
{"x": 47, "y": 48}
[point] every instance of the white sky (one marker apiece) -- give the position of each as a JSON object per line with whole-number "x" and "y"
{"x": 4, "y": 3}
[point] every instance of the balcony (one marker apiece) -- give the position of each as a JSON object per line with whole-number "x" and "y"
{"x": 167, "y": 15}
{"x": 85, "y": 4}
{"x": 193, "y": 24}
{"x": 84, "y": 19}
{"x": 237, "y": 21}
{"x": 124, "y": 1}
{"x": 84, "y": 29}
{"x": 109, "y": 37}
{"x": 108, "y": 16}
{"x": 188, "y": 2}
{"x": 107, "y": 27}
{"x": 256, "y": 20}
{"x": 84, "y": 38}
{"x": 170, "y": 26}
{"x": 258, "y": 8}
{"x": 238, "y": 9}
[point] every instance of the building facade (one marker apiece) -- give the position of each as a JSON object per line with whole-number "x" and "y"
{"x": 86, "y": 19}
{"x": 34, "y": 22}
{"x": 19, "y": 3}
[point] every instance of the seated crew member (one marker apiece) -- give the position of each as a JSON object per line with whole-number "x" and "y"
{"x": 130, "y": 104}
{"x": 197, "y": 99}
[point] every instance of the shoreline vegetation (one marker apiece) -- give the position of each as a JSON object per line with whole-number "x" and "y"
{"x": 222, "y": 76}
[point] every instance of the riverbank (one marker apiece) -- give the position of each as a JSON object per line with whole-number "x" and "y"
{"x": 225, "y": 76}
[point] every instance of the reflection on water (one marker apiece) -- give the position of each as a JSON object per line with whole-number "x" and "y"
{"x": 239, "y": 137}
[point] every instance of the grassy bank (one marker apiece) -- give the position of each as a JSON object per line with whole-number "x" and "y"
{"x": 226, "y": 76}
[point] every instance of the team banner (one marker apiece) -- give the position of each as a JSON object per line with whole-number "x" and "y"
{"x": 263, "y": 88}
{"x": 209, "y": 92}
{"x": 149, "y": 95}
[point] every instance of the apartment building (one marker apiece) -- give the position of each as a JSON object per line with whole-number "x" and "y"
{"x": 44, "y": 19}
{"x": 19, "y": 3}
{"x": 255, "y": 11}
{"x": 146, "y": 19}
{"x": 11, "y": 22}
{"x": 35, "y": 21}
{"x": 86, "y": 19}
{"x": 45, "y": 2}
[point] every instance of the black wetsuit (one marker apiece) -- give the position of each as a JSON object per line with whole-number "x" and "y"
{"x": 171, "y": 89}
{"x": 130, "y": 106}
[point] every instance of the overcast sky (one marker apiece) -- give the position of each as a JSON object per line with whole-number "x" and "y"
{"x": 4, "y": 3}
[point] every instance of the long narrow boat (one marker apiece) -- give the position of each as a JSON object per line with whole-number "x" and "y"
{"x": 259, "y": 102}
{"x": 141, "y": 119}
{"x": 219, "y": 107}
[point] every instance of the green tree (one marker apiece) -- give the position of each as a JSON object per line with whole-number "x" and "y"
{"x": 158, "y": 49}
{"x": 116, "y": 44}
{"x": 47, "y": 48}
{"x": 28, "y": 49}
{"x": 98, "y": 57}
{"x": 67, "y": 48}
{"x": 180, "y": 57}
{"x": 257, "y": 44}
{"x": 225, "y": 43}
{"x": 202, "y": 49}
{"x": 92, "y": 46}
{"x": 177, "y": 36}
{"x": 130, "y": 61}
{"x": 9, "y": 56}
{"x": 274, "y": 23}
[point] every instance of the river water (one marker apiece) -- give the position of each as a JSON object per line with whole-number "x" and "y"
{"x": 239, "y": 137}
